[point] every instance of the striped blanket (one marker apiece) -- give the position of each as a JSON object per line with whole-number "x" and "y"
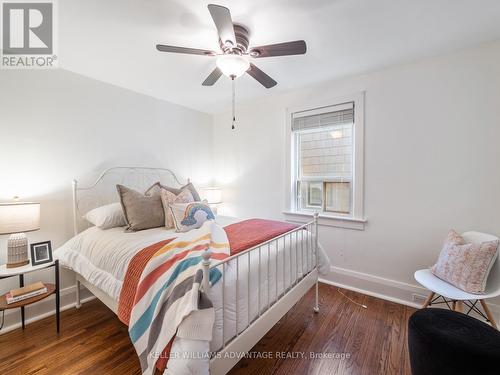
{"x": 168, "y": 298}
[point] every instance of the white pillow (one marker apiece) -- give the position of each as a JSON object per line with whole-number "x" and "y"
{"x": 108, "y": 216}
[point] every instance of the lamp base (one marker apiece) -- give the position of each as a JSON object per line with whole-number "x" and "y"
{"x": 17, "y": 251}
{"x": 19, "y": 264}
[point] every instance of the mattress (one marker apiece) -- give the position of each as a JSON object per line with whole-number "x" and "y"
{"x": 102, "y": 258}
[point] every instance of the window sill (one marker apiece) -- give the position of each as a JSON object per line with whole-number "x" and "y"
{"x": 327, "y": 220}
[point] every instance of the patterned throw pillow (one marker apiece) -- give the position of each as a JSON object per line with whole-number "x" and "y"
{"x": 157, "y": 187}
{"x": 465, "y": 265}
{"x": 168, "y": 198}
{"x": 189, "y": 216}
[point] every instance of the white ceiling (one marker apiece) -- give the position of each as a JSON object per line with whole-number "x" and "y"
{"x": 114, "y": 40}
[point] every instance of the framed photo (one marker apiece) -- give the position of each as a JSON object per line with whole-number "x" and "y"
{"x": 41, "y": 253}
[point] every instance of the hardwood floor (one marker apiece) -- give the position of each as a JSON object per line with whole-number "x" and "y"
{"x": 93, "y": 341}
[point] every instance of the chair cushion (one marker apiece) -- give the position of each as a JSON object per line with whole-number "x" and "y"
{"x": 465, "y": 265}
{"x": 447, "y": 342}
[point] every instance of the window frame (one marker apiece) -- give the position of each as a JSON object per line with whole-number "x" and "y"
{"x": 337, "y": 219}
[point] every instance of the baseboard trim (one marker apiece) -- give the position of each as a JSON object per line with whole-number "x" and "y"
{"x": 377, "y": 279}
{"x": 383, "y": 288}
{"x": 372, "y": 294}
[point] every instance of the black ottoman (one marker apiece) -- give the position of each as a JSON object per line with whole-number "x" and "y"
{"x": 445, "y": 342}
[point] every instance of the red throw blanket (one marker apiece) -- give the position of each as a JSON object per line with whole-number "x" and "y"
{"x": 242, "y": 236}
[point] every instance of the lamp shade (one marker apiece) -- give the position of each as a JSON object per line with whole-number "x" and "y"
{"x": 19, "y": 217}
{"x": 213, "y": 195}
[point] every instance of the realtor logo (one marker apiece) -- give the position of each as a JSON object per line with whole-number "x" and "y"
{"x": 28, "y": 34}
{"x": 27, "y": 28}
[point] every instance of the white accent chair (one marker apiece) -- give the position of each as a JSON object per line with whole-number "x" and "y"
{"x": 457, "y": 296}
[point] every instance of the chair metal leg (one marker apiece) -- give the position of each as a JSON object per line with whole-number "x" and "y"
{"x": 428, "y": 300}
{"x": 488, "y": 313}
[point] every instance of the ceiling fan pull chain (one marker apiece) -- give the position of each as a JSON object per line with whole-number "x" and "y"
{"x": 234, "y": 100}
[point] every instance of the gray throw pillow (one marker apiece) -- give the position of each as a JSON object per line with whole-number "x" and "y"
{"x": 155, "y": 189}
{"x": 141, "y": 211}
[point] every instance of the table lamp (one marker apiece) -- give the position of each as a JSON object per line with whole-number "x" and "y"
{"x": 15, "y": 219}
{"x": 213, "y": 196}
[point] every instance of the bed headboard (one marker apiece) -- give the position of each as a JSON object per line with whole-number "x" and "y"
{"x": 103, "y": 190}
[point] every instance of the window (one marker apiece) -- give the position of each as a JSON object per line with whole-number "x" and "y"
{"x": 327, "y": 159}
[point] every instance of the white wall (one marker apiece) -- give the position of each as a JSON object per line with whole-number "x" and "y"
{"x": 56, "y": 126}
{"x": 432, "y": 156}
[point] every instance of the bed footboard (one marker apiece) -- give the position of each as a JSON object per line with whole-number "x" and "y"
{"x": 293, "y": 257}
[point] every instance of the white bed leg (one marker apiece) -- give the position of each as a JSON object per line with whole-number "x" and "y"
{"x": 206, "y": 271}
{"x": 316, "y": 306}
{"x": 78, "y": 302}
{"x": 316, "y": 245}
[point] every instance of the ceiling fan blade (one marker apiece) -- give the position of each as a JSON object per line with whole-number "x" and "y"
{"x": 212, "y": 77}
{"x": 262, "y": 77}
{"x": 222, "y": 19}
{"x": 189, "y": 51}
{"x": 297, "y": 47}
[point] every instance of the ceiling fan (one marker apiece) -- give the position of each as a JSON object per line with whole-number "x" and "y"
{"x": 233, "y": 60}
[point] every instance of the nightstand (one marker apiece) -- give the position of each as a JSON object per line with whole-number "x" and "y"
{"x": 20, "y": 272}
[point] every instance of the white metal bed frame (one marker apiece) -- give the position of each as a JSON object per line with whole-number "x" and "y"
{"x": 85, "y": 199}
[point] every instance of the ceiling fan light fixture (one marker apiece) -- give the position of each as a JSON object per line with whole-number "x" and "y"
{"x": 232, "y": 65}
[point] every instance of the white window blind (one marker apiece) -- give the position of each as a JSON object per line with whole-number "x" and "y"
{"x": 323, "y": 140}
{"x": 323, "y": 117}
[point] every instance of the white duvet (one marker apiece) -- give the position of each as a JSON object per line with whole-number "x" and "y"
{"x": 102, "y": 258}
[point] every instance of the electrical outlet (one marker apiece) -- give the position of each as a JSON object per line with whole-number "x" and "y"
{"x": 418, "y": 297}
